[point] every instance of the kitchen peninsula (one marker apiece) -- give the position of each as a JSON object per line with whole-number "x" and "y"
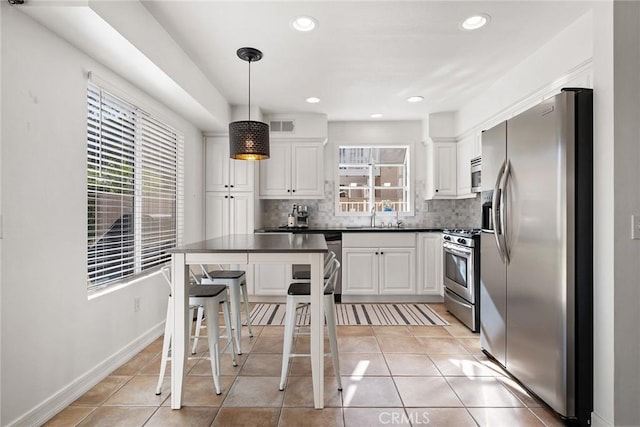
{"x": 245, "y": 249}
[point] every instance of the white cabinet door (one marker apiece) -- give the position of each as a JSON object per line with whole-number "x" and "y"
{"x": 217, "y": 164}
{"x": 223, "y": 173}
{"x": 397, "y": 271}
{"x": 430, "y": 264}
{"x": 241, "y": 215}
{"x": 307, "y": 170}
{"x": 242, "y": 175}
{"x": 445, "y": 182}
{"x": 465, "y": 154}
{"x": 275, "y": 173}
{"x": 217, "y": 214}
{"x": 477, "y": 145}
{"x": 441, "y": 170}
{"x": 228, "y": 213}
{"x": 360, "y": 272}
{"x": 272, "y": 279}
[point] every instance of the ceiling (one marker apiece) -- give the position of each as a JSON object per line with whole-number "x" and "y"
{"x": 365, "y": 56}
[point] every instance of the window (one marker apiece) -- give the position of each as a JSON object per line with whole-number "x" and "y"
{"x": 134, "y": 187}
{"x": 373, "y": 177}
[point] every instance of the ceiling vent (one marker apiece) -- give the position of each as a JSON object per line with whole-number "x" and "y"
{"x": 282, "y": 126}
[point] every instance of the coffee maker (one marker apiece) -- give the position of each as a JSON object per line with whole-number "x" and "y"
{"x": 302, "y": 219}
{"x": 299, "y": 217}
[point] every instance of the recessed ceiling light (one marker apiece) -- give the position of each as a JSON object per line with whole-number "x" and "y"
{"x": 313, "y": 100}
{"x": 415, "y": 98}
{"x": 476, "y": 21}
{"x": 304, "y": 23}
{"x": 376, "y": 115}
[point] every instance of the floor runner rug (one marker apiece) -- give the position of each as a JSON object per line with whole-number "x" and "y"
{"x": 355, "y": 314}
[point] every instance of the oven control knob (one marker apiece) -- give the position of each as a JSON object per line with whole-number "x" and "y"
{"x": 462, "y": 241}
{"x": 447, "y": 238}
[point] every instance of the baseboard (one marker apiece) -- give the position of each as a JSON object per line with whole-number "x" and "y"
{"x": 68, "y": 394}
{"x": 381, "y": 299}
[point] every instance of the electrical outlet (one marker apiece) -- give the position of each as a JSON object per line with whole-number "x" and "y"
{"x": 136, "y": 304}
{"x": 635, "y": 227}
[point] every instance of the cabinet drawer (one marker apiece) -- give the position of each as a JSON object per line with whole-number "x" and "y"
{"x": 379, "y": 239}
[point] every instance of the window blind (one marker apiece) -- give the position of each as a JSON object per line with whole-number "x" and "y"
{"x": 134, "y": 189}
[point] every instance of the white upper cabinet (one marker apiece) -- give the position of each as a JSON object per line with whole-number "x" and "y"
{"x": 230, "y": 190}
{"x": 465, "y": 152}
{"x": 224, "y": 173}
{"x": 294, "y": 170}
{"x": 441, "y": 170}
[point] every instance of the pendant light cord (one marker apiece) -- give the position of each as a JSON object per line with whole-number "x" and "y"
{"x": 249, "y": 90}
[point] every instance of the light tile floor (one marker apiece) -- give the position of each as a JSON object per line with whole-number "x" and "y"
{"x": 391, "y": 376}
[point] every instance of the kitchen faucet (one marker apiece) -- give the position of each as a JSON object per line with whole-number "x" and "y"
{"x": 373, "y": 216}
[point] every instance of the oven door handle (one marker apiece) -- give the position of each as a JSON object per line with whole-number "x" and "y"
{"x": 497, "y": 226}
{"x": 457, "y": 250}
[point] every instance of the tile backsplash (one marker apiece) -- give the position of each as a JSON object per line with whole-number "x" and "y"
{"x": 459, "y": 213}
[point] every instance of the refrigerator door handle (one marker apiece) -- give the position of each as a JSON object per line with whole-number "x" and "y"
{"x": 497, "y": 226}
{"x": 503, "y": 229}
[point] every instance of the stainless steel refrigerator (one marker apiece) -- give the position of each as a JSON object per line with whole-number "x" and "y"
{"x": 536, "y": 250}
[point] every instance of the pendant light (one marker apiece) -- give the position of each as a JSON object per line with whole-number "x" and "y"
{"x": 249, "y": 140}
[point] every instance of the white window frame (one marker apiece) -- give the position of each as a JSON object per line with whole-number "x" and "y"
{"x": 154, "y": 189}
{"x": 372, "y": 188}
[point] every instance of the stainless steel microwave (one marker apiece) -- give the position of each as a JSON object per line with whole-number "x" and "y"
{"x": 476, "y": 172}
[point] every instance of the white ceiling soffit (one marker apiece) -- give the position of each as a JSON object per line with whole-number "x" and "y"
{"x": 365, "y": 56}
{"x": 123, "y": 36}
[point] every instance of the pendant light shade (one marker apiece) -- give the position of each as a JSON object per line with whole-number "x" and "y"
{"x": 249, "y": 140}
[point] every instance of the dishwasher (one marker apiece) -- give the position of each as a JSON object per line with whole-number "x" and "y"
{"x": 334, "y": 243}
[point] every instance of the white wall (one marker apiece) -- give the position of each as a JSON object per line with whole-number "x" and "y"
{"x": 626, "y": 180}
{"x": 568, "y": 52}
{"x": 603, "y": 211}
{"x": 53, "y": 338}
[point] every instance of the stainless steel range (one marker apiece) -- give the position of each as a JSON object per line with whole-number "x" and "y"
{"x": 461, "y": 269}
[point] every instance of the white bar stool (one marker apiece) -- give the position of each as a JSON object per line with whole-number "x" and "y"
{"x": 236, "y": 281}
{"x": 300, "y": 293}
{"x": 210, "y": 297}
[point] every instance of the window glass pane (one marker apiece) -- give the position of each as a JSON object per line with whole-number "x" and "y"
{"x": 373, "y": 176}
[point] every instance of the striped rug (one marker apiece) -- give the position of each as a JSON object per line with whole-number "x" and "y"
{"x": 355, "y": 314}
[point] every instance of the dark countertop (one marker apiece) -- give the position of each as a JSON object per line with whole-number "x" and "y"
{"x": 257, "y": 243}
{"x": 347, "y": 229}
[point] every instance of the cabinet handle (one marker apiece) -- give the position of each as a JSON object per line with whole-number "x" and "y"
{"x": 226, "y": 186}
{"x": 231, "y": 197}
{"x": 376, "y": 253}
{"x": 437, "y": 190}
{"x": 288, "y": 191}
{"x": 381, "y": 253}
{"x": 226, "y": 197}
{"x": 231, "y": 186}
{"x": 293, "y": 191}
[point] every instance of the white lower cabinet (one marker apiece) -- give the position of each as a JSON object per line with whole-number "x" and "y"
{"x": 360, "y": 271}
{"x": 430, "y": 264}
{"x": 397, "y": 271}
{"x": 379, "y": 270}
{"x": 272, "y": 279}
